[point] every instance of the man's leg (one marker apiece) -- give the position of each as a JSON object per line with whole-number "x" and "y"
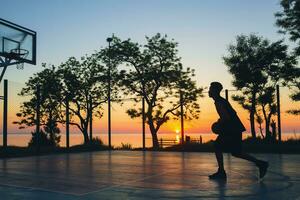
{"x": 219, "y": 157}
{"x": 245, "y": 156}
{"x": 220, "y": 174}
{"x": 262, "y": 165}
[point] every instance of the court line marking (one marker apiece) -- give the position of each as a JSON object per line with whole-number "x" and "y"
{"x": 214, "y": 196}
{"x": 285, "y": 177}
{"x": 257, "y": 181}
{"x": 68, "y": 193}
{"x": 126, "y": 184}
{"x": 36, "y": 189}
{"x": 33, "y": 175}
{"x": 123, "y": 184}
{"x": 82, "y": 194}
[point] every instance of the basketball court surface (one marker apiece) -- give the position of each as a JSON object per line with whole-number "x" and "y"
{"x": 145, "y": 175}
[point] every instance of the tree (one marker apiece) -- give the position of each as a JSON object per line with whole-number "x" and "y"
{"x": 289, "y": 22}
{"x": 256, "y": 65}
{"x": 85, "y": 86}
{"x": 294, "y": 84}
{"x": 50, "y": 110}
{"x": 43, "y": 139}
{"x": 154, "y": 72}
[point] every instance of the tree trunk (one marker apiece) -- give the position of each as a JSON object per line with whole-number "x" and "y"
{"x": 261, "y": 131}
{"x": 273, "y": 127}
{"x": 50, "y": 127}
{"x": 86, "y": 138}
{"x": 52, "y": 135}
{"x": 155, "y": 143}
{"x": 252, "y": 115}
{"x": 267, "y": 123}
{"x": 252, "y": 124}
{"x": 268, "y": 133}
{"x": 86, "y": 135}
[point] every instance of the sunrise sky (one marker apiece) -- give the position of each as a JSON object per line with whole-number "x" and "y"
{"x": 203, "y": 29}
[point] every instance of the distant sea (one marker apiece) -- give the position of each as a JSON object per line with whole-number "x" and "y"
{"x": 135, "y": 139}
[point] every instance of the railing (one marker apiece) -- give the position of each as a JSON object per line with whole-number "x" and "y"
{"x": 170, "y": 142}
{"x": 167, "y": 142}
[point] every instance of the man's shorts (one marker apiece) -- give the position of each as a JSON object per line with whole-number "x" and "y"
{"x": 231, "y": 143}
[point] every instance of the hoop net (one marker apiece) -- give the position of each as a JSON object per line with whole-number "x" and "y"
{"x": 19, "y": 53}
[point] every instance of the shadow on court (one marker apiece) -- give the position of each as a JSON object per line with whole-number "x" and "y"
{"x": 145, "y": 175}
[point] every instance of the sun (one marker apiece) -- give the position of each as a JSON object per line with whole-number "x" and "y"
{"x": 176, "y": 131}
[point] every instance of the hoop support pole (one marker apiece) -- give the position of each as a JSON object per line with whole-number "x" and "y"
{"x": 4, "y": 63}
{"x": 5, "y": 114}
{"x": 3, "y": 72}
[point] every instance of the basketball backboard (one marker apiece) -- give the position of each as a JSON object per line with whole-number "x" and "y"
{"x": 17, "y": 44}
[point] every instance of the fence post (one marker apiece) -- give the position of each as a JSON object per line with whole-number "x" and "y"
{"x": 143, "y": 118}
{"x": 38, "y": 101}
{"x": 278, "y": 113}
{"x": 181, "y": 118}
{"x": 5, "y": 97}
{"x": 226, "y": 94}
{"x": 200, "y": 139}
{"x": 91, "y": 119}
{"x": 67, "y": 123}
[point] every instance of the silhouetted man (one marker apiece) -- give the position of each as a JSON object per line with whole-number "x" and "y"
{"x": 229, "y": 129}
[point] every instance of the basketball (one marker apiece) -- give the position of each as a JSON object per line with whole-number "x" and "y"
{"x": 216, "y": 128}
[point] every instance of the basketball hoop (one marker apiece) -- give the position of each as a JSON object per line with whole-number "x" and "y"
{"x": 17, "y": 46}
{"x": 17, "y": 54}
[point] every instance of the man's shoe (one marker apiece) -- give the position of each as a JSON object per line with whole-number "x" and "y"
{"x": 219, "y": 175}
{"x": 263, "y": 168}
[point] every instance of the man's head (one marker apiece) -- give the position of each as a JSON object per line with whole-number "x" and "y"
{"x": 215, "y": 89}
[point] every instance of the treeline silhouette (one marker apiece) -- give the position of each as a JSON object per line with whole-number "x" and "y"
{"x": 154, "y": 74}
